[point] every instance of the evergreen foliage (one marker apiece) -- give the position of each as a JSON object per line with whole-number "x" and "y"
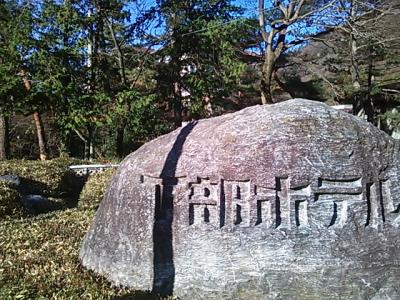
{"x": 110, "y": 75}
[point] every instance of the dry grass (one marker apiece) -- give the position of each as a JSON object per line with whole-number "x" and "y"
{"x": 39, "y": 254}
{"x": 39, "y": 259}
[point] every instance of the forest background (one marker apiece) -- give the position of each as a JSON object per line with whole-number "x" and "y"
{"x": 96, "y": 79}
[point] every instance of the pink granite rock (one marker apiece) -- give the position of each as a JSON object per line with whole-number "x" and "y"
{"x": 294, "y": 200}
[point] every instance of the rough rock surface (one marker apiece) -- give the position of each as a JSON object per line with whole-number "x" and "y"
{"x": 289, "y": 201}
{"x": 11, "y": 179}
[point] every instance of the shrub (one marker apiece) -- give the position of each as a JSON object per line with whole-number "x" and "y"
{"x": 10, "y": 202}
{"x": 40, "y": 177}
{"x": 94, "y": 189}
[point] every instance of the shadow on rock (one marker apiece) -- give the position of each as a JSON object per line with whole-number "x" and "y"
{"x": 163, "y": 261}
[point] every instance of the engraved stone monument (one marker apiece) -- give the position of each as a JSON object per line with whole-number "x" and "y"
{"x": 294, "y": 200}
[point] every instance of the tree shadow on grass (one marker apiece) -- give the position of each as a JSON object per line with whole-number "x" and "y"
{"x": 39, "y": 198}
{"x": 71, "y": 186}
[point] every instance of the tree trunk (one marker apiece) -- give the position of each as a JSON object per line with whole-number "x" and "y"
{"x": 266, "y": 72}
{"x": 177, "y": 113}
{"x": 91, "y": 151}
{"x": 266, "y": 79}
{"x": 355, "y": 72}
{"x": 121, "y": 65}
{"x": 177, "y": 104}
{"x": 369, "y": 106}
{"x": 4, "y": 145}
{"x": 120, "y": 54}
{"x": 90, "y": 143}
{"x": 208, "y": 106}
{"x": 120, "y": 141}
{"x": 40, "y": 136}
{"x": 358, "y": 105}
{"x": 38, "y": 122}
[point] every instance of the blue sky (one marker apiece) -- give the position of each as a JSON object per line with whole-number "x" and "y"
{"x": 135, "y": 9}
{"x": 250, "y": 6}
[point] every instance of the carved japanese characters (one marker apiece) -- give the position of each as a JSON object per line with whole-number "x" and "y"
{"x": 287, "y": 201}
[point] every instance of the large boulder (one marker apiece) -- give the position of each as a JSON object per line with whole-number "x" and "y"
{"x": 289, "y": 201}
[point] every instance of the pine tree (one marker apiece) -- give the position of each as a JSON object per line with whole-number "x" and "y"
{"x": 198, "y": 58}
{"x": 15, "y": 29}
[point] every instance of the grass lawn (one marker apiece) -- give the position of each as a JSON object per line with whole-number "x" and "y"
{"x": 39, "y": 254}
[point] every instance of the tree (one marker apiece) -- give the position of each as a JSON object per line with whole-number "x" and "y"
{"x": 15, "y": 26}
{"x": 7, "y": 78}
{"x": 198, "y": 63}
{"x": 93, "y": 77}
{"x": 357, "y": 62}
{"x": 60, "y": 61}
{"x": 19, "y": 47}
{"x": 79, "y": 40}
{"x": 286, "y": 24}
{"x": 371, "y": 37}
